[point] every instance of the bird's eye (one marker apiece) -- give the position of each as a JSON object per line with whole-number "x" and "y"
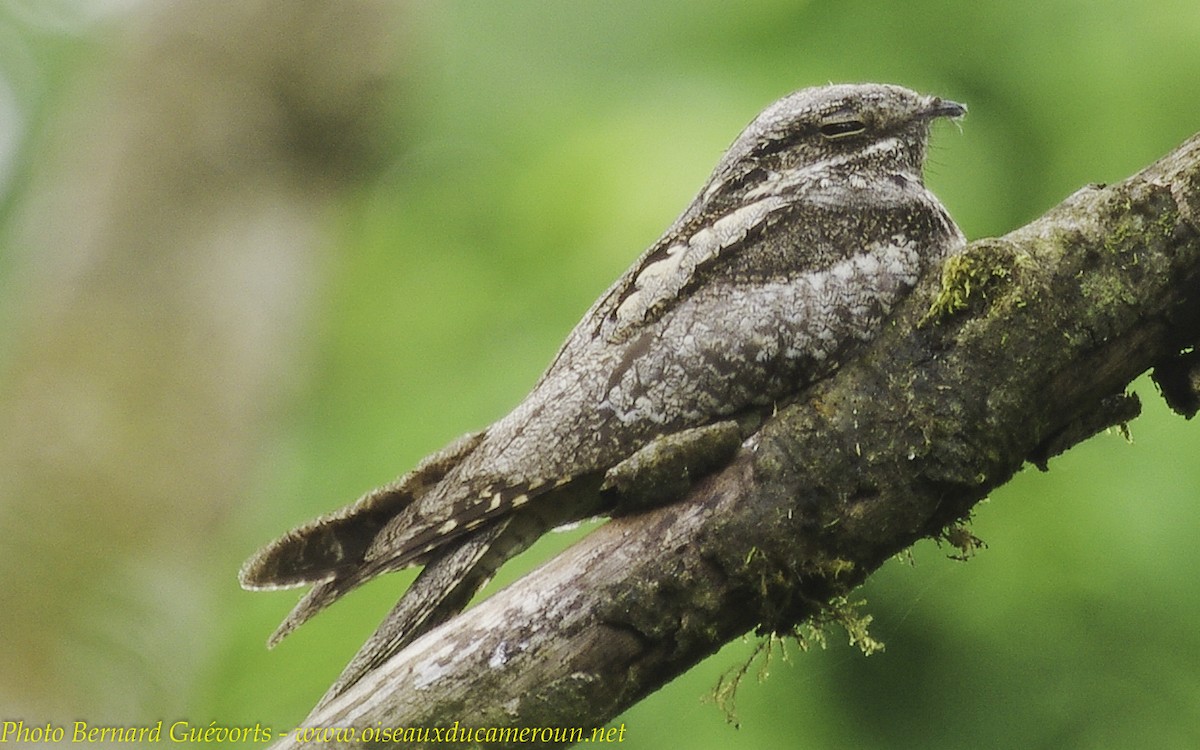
{"x": 842, "y": 128}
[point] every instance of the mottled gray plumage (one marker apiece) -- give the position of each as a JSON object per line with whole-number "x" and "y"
{"x": 810, "y": 229}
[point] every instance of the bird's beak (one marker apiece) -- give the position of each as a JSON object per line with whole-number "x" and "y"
{"x": 938, "y": 107}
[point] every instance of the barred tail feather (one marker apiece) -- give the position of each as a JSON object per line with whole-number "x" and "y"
{"x": 333, "y": 546}
{"x": 314, "y": 553}
{"x": 318, "y": 598}
{"x": 346, "y": 566}
{"x": 411, "y": 534}
{"x": 443, "y": 589}
{"x": 456, "y": 572}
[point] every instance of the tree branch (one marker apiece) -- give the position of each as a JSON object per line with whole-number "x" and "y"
{"x": 1023, "y": 348}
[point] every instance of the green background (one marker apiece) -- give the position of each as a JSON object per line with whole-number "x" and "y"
{"x": 516, "y": 158}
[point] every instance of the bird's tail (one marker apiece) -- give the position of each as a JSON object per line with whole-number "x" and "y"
{"x": 328, "y": 552}
{"x": 454, "y": 574}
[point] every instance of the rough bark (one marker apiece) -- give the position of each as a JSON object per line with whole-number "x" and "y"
{"x": 1022, "y": 348}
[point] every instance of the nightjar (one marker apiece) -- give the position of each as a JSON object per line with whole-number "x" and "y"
{"x": 813, "y": 225}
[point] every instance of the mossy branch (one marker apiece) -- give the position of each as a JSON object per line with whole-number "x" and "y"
{"x": 1021, "y": 348}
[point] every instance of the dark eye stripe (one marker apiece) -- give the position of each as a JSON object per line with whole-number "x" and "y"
{"x": 775, "y": 145}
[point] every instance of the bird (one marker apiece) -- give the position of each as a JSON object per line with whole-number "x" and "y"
{"x": 811, "y": 228}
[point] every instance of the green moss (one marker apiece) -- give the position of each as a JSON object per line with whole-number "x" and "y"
{"x": 961, "y": 538}
{"x": 970, "y": 275}
{"x": 834, "y": 567}
{"x": 1165, "y": 224}
{"x": 845, "y": 613}
{"x": 1136, "y": 230}
{"x": 724, "y": 694}
{"x": 811, "y": 632}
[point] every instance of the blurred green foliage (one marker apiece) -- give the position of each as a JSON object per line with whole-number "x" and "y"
{"x": 538, "y": 147}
